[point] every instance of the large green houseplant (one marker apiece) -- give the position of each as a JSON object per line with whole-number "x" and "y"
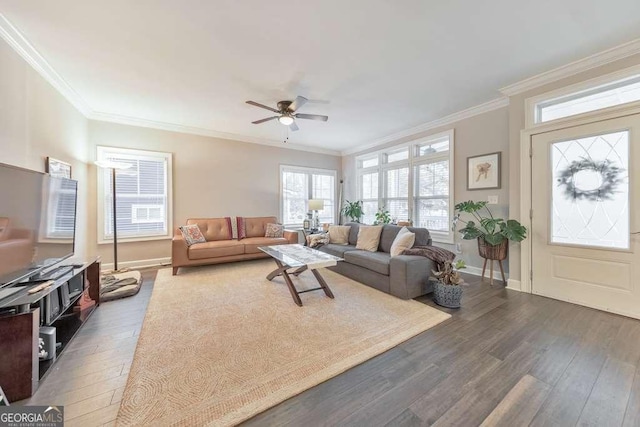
{"x": 493, "y": 234}
{"x": 353, "y": 210}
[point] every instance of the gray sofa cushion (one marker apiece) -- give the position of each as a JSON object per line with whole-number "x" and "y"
{"x": 353, "y": 232}
{"x": 374, "y": 261}
{"x": 336, "y": 250}
{"x": 389, "y": 233}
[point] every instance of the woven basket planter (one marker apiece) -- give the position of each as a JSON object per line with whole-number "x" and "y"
{"x": 497, "y": 252}
{"x": 447, "y": 295}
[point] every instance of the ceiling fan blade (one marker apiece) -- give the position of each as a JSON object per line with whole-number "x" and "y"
{"x": 293, "y": 126}
{"x": 312, "y": 117}
{"x": 255, "y": 104}
{"x": 297, "y": 103}
{"x": 257, "y": 122}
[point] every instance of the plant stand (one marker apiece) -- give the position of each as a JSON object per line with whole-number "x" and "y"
{"x": 493, "y": 253}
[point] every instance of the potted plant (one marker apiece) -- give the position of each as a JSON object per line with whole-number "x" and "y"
{"x": 382, "y": 217}
{"x": 353, "y": 210}
{"x": 447, "y": 289}
{"x": 493, "y": 234}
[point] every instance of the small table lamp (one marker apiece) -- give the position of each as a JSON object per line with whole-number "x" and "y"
{"x": 316, "y": 205}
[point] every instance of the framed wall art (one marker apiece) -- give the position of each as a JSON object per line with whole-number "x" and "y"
{"x": 57, "y": 168}
{"x": 483, "y": 172}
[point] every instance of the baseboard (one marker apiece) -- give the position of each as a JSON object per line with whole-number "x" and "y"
{"x": 514, "y": 285}
{"x": 143, "y": 263}
{"x": 475, "y": 271}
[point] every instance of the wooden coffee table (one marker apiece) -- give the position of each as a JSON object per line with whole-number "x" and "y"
{"x": 300, "y": 258}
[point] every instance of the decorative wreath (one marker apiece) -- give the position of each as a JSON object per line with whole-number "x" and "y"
{"x": 610, "y": 179}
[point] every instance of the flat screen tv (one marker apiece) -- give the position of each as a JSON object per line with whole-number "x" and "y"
{"x": 37, "y": 222}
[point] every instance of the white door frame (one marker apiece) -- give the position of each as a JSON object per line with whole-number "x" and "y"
{"x": 526, "y": 136}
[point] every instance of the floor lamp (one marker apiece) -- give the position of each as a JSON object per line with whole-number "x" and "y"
{"x": 114, "y": 166}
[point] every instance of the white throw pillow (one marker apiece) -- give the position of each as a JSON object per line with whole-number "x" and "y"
{"x": 369, "y": 237}
{"x": 404, "y": 240}
{"x": 339, "y": 234}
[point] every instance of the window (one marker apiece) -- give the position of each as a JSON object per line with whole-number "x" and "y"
{"x": 369, "y": 196}
{"x": 397, "y": 155}
{"x": 396, "y": 200}
{"x": 60, "y": 205}
{"x": 298, "y": 185}
{"x": 143, "y": 195}
{"x": 597, "y": 94}
{"x": 416, "y": 181}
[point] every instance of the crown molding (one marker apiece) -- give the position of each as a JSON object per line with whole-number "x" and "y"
{"x": 602, "y": 58}
{"x": 172, "y": 127}
{"x": 444, "y": 121}
{"x": 16, "y": 40}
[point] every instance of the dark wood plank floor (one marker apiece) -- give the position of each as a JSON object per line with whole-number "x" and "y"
{"x": 505, "y": 358}
{"x": 90, "y": 375}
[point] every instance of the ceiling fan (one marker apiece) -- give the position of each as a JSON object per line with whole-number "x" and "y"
{"x": 287, "y": 112}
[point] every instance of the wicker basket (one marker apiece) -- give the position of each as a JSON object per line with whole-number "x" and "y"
{"x": 498, "y": 252}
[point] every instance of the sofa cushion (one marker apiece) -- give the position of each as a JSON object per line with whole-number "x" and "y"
{"x": 251, "y": 244}
{"x": 339, "y": 234}
{"x": 257, "y": 226}
{"x": 191, "y": 234}
{"x": 389, "y": 233}
{"x": 214, "y": 229}
{"x": 369, "y": 237}
{"x": 374, "y": 261}
{"x": 215, "y": 249}
{"x": 404, "y": 240}
{"x": 274, "y": 230}
{"x": 337, "y": 250}
{"x": 353, "y": 232}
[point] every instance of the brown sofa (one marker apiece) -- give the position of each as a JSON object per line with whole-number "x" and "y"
{"x": 219, "y": 248}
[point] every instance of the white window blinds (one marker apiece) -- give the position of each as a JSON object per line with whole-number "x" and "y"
{"x": 142, "y": 194}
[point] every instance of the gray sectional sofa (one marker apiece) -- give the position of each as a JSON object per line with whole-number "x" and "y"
{"x": 404, "y": 276}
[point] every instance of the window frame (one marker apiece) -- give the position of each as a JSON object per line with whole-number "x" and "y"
{"x": 411, "y": 162}
{"x": 101, "y": 151}
{"x": 309, "y": 172}
{"x": 587, "y": 87}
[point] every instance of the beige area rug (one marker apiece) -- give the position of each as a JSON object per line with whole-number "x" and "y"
{"x": 221, "y": 343}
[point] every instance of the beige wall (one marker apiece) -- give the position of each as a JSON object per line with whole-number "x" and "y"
{"x": 485, "y": 133}
{"x": 214, "y": 177}
{"x": 36, "y": 122}
{"x": 517, "y": 124}
{"x": 211, "y": 178}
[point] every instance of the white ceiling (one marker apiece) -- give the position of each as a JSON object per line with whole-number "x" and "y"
{"x": 375, "y": 66}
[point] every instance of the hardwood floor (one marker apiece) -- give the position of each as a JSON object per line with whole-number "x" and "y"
{"x": 90, "y": 375}
{"x": 503, "y": 359}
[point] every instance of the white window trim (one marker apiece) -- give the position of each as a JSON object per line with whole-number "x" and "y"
{"x": 307, "y": 170}
{"x": 411, "y": 162}
{"x": 100, "y": 181}
{"x": 532, "y": 102}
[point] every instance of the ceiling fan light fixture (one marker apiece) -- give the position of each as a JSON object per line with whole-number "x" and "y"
{"x": 285, "y": 120}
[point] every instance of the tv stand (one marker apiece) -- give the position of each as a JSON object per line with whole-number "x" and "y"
{"x": 52, "y": 274}
{"x": 21, "y": 316}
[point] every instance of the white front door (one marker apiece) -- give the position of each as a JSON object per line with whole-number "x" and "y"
{"x": 586, "y": 207}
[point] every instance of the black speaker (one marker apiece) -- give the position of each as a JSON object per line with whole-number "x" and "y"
{"x": 52, "y": 306}
{"x": 64, "y": 295}
{"x": 48, "y": 335}
{"x": 75, "y": 285}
